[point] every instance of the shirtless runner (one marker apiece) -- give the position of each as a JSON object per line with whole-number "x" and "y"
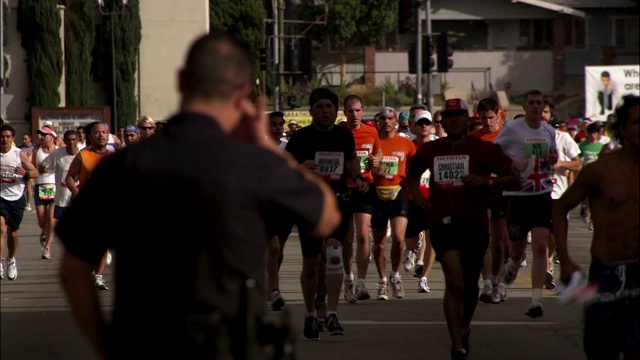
{"x": 612, "y": 318}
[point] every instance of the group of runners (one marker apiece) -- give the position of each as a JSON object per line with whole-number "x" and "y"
{"x": 50, "y": 175}
{"x": 473, "y": 200}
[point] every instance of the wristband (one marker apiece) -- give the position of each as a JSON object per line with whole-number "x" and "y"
{"x": 26, "y": 175}
{"x": 489, "y": 180}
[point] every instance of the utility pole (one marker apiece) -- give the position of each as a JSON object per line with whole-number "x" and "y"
{"x": 427, "y": 13}
{"x": 418, "y": 59}
{"x": 281, "y": 48}
{"x": 276, "y": 56}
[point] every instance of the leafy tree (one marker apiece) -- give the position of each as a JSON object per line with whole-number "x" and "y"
{"x": 79, "y": 41}
{"x": 243, "y": 18}
{"x": 351, "y": 23}
{"x": 127, "y": 30}
{"x": 39, "y": 23}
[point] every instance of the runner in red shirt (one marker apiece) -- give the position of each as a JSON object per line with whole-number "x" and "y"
{"x": 461, "y": 168}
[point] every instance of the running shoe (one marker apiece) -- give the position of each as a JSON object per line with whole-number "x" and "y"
{"x": 459, "y": 354}
{"x": 549, "y": 281}
{"x": 511, "y": 271}
{"x": 321, "y": 309}
{"x": 383, "y": 291}
{"x": 361, "y": 291}
{"x": 98, "y": 280}
{"x": 43, "y": 239}
{"x": 310, "y": 332}
{"x": 46, "y": 254}
{"x": 333, "y": 326}
{"x": 2, "y": 270}
{"x": 523, "y": 262}
{"x": 396, "y": 288}
{"x": 465, "y": 340}
{"x": 28, "y": 207}
{"x": 590, "y": 225}
{"x": 502, "y": 291}
{"x": 535, "y": 310}
{"x": 12, "y": 269}
{"x": 423, "y": 286}
{"x": 109, "y": 257}
{"x": 417, "y": 271}
{"x": 409, "y": 260}
{"x": 276, "y": 301}
{"x": 486, "y": 295}
{"x": 556, "y": 260}
{"x": 349, "y": 291}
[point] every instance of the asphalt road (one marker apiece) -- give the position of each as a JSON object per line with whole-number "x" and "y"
{"x": 36, "y": 322}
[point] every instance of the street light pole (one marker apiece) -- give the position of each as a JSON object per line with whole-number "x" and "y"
{"x": 112, "y": 13}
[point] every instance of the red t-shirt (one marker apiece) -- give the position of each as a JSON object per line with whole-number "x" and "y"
{"x": 367, "y": 144}
{"x": 448, "y": 163}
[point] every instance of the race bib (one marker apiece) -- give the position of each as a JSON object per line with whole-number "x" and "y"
{"x": 363, "y": 156}
{"x": 331, "y": 165}
{"x": 391, "y": 166}
{"x": 536, "y": 147}
{"x": 46, "y": 191}
{"x": 8, "y": 174}
{"x": 449, "y": 170}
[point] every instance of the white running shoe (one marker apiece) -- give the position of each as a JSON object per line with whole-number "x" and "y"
{"x": 109, "y": 257}
{"x": 28, "y": 207}
{"x": 99, "y": 282}
{"x": 46, "y": 254}
{"x": 349, "y": 291}
{"x": 486, "y": 295}
{"x": 409, "y": 260}
{"x": 523, "y": 262}
{"x": 1, "y": 271}
{"x": 383, "y": 291}
{"x": 396, "y": 288}
{"x": 12, "y": 269}
{"x": 502, "y": 291}
{"x": 361, "y": 291}
{"x": 511, "y": 271}
{"x": 423, "y": 286}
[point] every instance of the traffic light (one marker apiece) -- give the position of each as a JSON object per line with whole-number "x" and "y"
{"x": 427, "y": 51}
{"x": 406, "y": 16}
{"x": 445, "y": 52}
{"x": 263, "y": 59}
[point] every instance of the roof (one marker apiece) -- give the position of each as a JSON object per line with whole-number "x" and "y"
{"x": 584, "y": 4}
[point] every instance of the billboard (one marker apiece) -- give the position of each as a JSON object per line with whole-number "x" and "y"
{"x": 606, "y": 85}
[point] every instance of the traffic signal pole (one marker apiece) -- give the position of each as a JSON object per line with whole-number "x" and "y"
{"x": 427, "y": 16}
{"x": 418, "y": 99}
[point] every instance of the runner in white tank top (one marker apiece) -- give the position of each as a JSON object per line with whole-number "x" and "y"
{"x": 15, "y": 169}
{"x": 44, "y": 190}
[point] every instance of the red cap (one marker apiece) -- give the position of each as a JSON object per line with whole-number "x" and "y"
{"x": 454, "y": 105}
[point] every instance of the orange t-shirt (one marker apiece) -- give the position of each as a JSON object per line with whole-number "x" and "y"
{"x": 396, "y": 154}
{"x": 367, "y": 144}
{"x": 484, "y": 135}
{"x": 90, "y": 159}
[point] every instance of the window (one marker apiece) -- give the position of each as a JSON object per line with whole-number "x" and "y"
{"x": 574, "y": 33}
{"x": 536, "y": 34}
{"x": 625, "y": 33}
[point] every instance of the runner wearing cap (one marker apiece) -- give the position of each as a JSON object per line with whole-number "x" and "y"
{"x": 391, "y": 204}
{"x": 293, "y": 127}
{"x": 131, "y": 135}
{"x": 44, "y": 190}
{"x": 369, "y": 153}
{"x": 494, "y": 290}
{"x": 59, "y": 162}
{"x": 417, "y": 237}
{"x": 611, "y": 320}
{"x": 15, "y": 170}
{"x": 461, "y": 168}
{"x": 529, "y": 140}
{"x": 404, "y": 126}
{"x": 330, "y": 151}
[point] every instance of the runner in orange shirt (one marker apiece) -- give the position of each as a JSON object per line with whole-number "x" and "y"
{"x": 494, "y": 290}
{"x": 369, "y": 153}
{"x": 392, "y": 203}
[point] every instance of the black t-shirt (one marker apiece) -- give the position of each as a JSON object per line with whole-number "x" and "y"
{"x": 184, "y": 211}
{"x": 331, "y": 149}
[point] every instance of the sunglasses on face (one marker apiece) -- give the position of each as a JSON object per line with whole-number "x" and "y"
{"x": 437, "y": 122}
{"x": 148, "y": 128}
